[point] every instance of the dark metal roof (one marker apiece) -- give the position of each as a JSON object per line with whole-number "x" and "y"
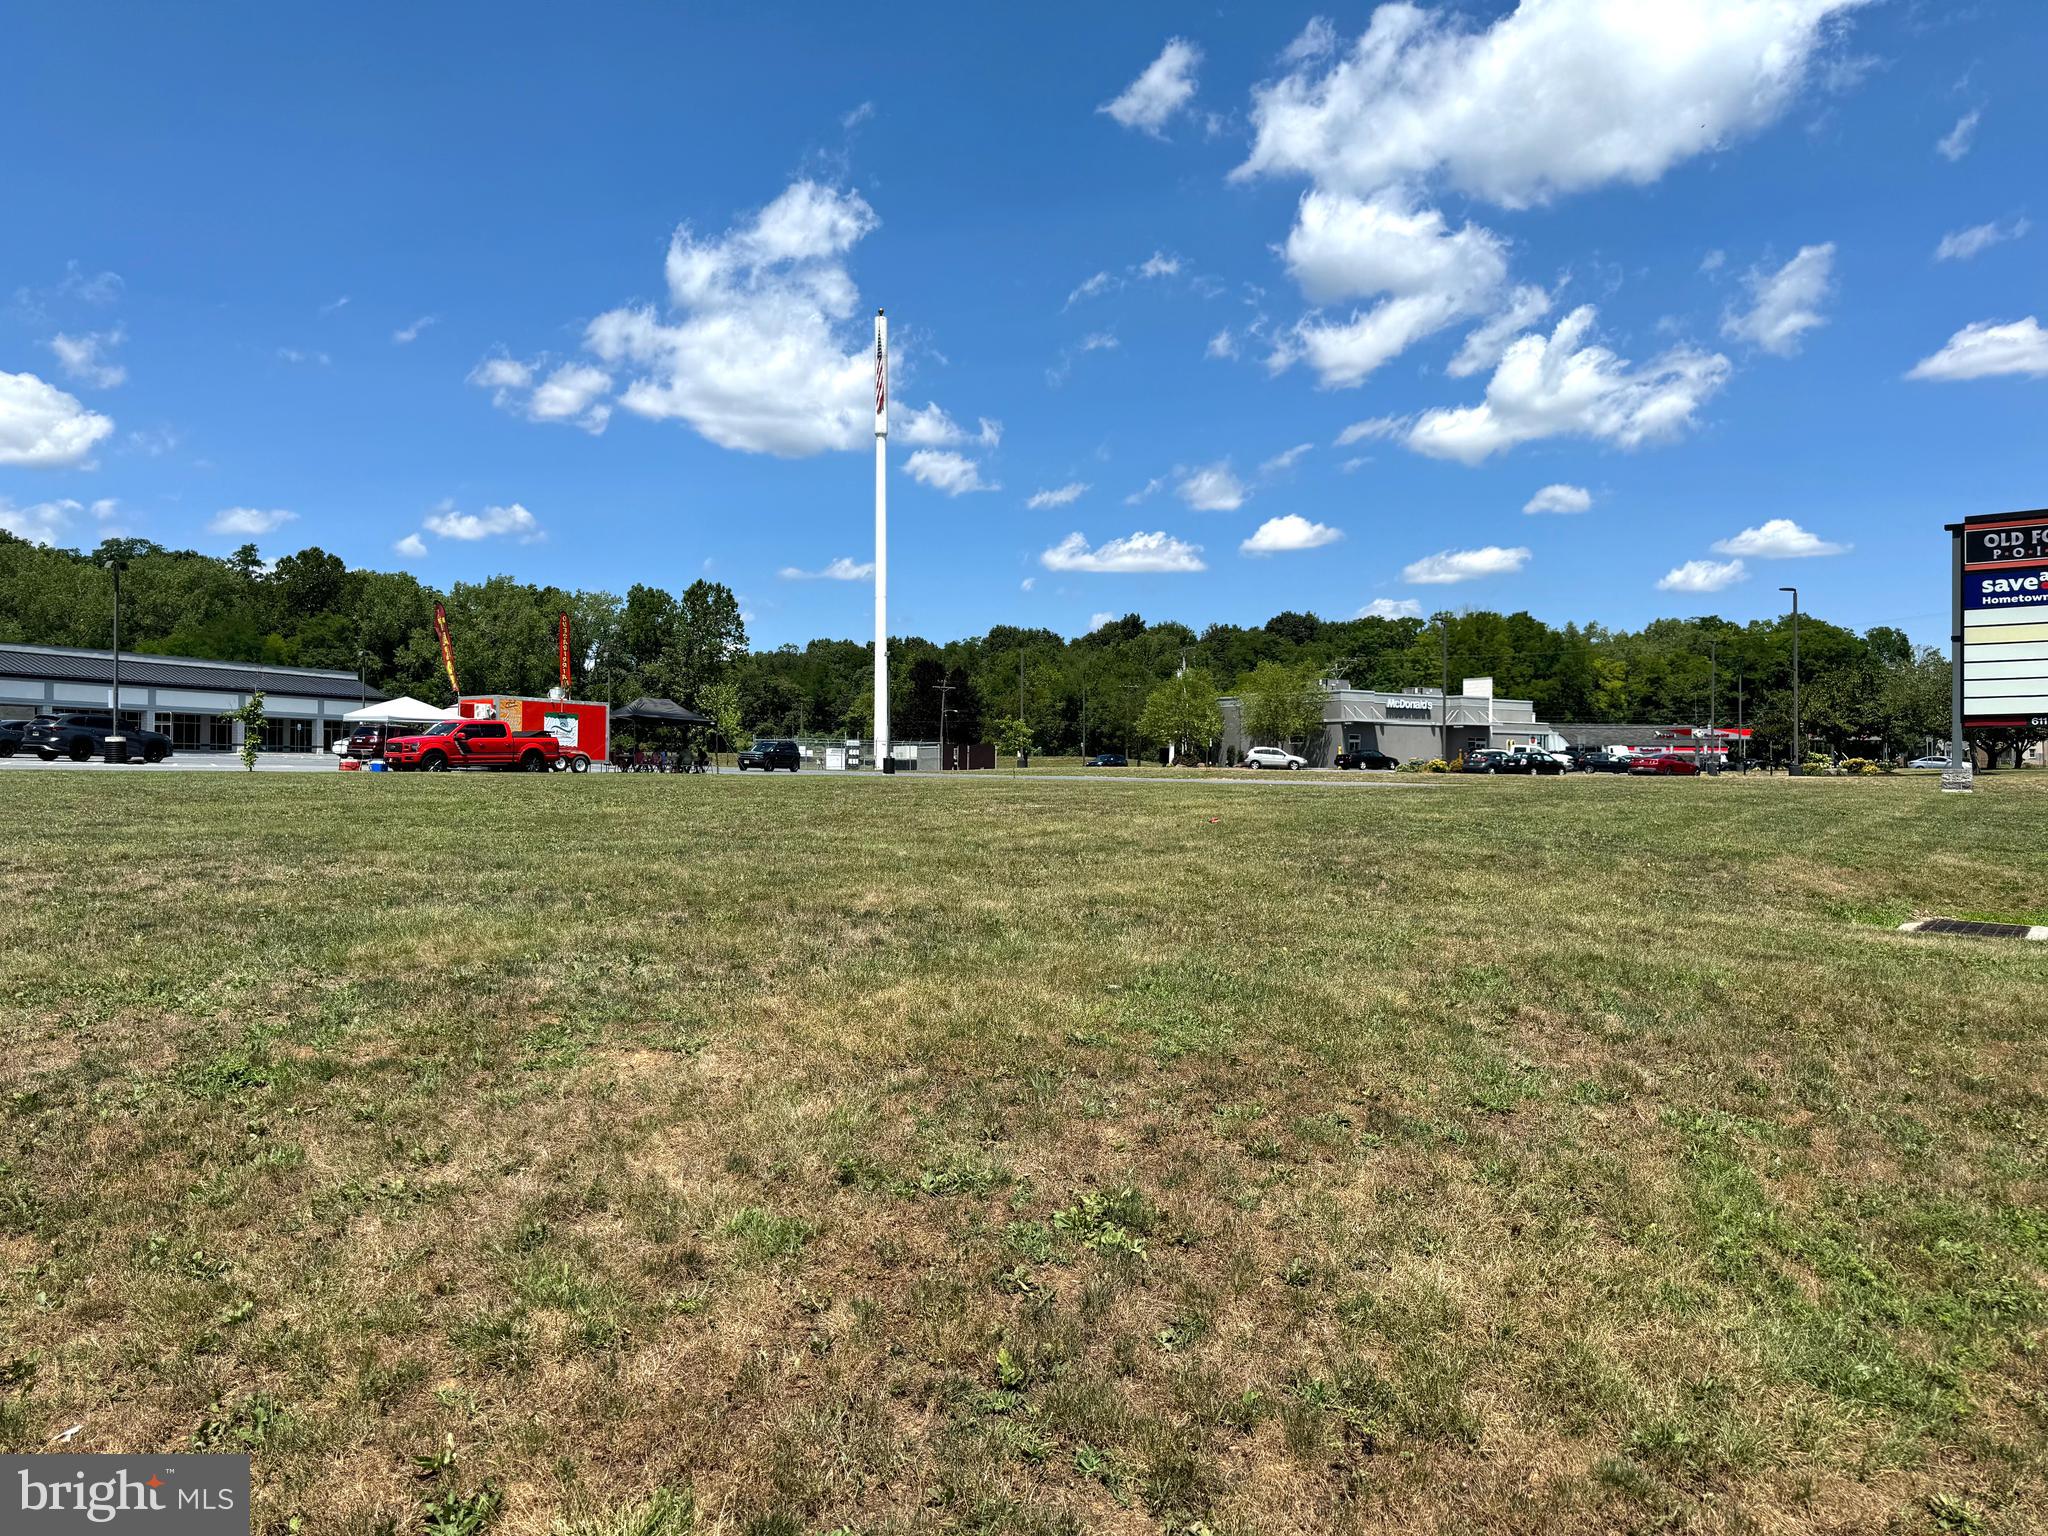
{"x": 62, "y": 664}
{"x": 659, "y": 712}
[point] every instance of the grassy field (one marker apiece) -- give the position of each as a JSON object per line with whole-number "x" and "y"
{"x": 642, "y": 1155}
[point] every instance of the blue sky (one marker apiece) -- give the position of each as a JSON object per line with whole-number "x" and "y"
{"x": 1746, "y": 294}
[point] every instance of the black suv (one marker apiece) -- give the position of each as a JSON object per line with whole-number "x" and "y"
{"x": 81, "y": 737}
{"x": 1366, "y": 760}
{"x": 771, "y": 755}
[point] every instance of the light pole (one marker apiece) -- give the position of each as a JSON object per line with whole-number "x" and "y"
{"x": 944, "y": 688}
{"x": 1713, "y": 695}
{"x": 1443, "y": 636}
{"x": 1797, "y": 764}
{"x": 117, "y": 744}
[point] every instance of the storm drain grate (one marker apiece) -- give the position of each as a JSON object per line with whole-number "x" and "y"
{"x": 1972, "y": 930}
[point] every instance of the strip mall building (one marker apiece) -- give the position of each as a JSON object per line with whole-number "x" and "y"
{"x": 182, "y": 696}
{"x": 1408, "y": 725}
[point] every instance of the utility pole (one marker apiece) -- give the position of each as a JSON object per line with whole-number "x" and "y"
{"x": 1798, "y": 764}
{"x": 944, "y": 688}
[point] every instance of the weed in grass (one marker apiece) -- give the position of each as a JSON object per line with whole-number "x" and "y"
{"x": 764, "y": 1237}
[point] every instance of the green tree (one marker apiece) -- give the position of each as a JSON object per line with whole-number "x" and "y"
{"x": 1013, "y": 737}
{"x": 251, "y": 716}
{"x": 721, "y": 701}
{"x": 1281, "y": 703}
{"x": 1182, "y": 713}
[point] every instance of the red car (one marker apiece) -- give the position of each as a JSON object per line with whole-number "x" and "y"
{"x": 1664, "y": 762}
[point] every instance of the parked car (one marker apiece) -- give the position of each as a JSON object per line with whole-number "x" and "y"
{"x": 1531, "y": 762}
{"x": 480, "y": 744}
{"x": 1273, "y": 757}
{"x": 1602, "y": 762}
{"x": 83, "y": 737}
{"x": 1664, "y": 763}
{"x": 1367, "y": 760}
{"x": 771, "y": 755}
{"x": 1929, "y": 762}
{"x": 1107, "y": 760}
{"x": 366, "y": 742}
{"x": 10, "y": 736}
{"x": 1485, "y": 760}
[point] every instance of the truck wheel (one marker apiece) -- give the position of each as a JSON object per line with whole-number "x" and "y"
{"x": 579, "y": 764}
{"x": 434, "y": 762}
{"x": 80, "y": 750}
{"x": 532, "y": 762}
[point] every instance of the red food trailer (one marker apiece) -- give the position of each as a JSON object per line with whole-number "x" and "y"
{"x": 585, "y": 728}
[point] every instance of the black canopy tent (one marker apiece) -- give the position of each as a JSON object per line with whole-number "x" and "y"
{"x": 646, "y": 711}
{"x": 647, "y": 718}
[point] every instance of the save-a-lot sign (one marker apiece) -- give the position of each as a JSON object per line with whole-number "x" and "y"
{"x": 2005, "y": 620}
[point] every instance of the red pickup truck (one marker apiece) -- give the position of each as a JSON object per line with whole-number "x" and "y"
{"x": 481, "y": 744}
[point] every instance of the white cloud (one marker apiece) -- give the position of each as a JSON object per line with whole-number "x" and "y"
{"x": 1785, "y": 304}
{"x": 250, "y": 521}
{"x": 502, "y": 375}
{"x": 1159, "y": 264}
{"x": 1558, "y": 388}
{"x": 1350, "y": 465}
{"x": 1982, "y": 350}
{"x": 1453, "y": 565}
{"x": 1965, "y": 243}
{"x": 412, "y": 546}
{"x": 1702, "y": 576}
{"x": 1222, "y": 344}
{"x": 1099, "y": 341}
{"x": 953, "y": 473}
{"x": 295, "y": 355}
{"x": 1097, "y": 620}
{"x": 1317, "y": 40}
{"x": 1089, "y": 287}
{"x": 1559, "y": 498}
{"x": 1713, "y": 261}
{"x": 44, "y": 522}
{"x": 1391, "y": 608}
{"x": 1140, "y": 554}
{"x": 337, "y": 304}
{"x": 1371, "y": 427}
{"x": 1279, "y": 535}
{"x": 1146, "y": 491}
{"x": 933, "y": 428}
{"x": 156, "y": 442}
{"x": 1955, "y": 144}
{"x": 1553, "y": 97}
{"x": 759, "y": 351}
{"x": 1285, "y": 461}
{"x": 1149, "y": 102}
{"x": 1027, "y": 583}
{"x": 489, "y": 523}
{"x": 573, "y": 392}
{"x": 1212, "y": 488}
{"x": 845, "y": 568}
{"x": 1778, "y": 539}
{"x": 85, "y": 357}
{"x": 1485, "y": 343}
{"x": 405, "y": 335}
{"x": 857, "y": 116}
{"x": 1058, "y": 496}
{"x": 1349, "y": 247}
{"x": 41, "y": 427}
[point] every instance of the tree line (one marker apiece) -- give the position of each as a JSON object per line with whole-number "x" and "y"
{"x": 1129, "y": 685}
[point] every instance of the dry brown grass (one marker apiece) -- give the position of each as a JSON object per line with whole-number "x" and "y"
{"x": 1011, "y": 1156}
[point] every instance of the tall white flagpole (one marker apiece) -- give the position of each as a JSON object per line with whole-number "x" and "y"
{"x": 881, "y": 538}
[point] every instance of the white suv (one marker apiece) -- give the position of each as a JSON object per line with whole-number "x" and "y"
{"x": 1273, "y": 757}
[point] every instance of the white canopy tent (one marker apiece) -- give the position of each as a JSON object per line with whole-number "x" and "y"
{"x": 405, "y": 710}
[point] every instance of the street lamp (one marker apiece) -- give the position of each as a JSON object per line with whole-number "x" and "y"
{"x": 1797, "y": 764}
{"x": 117, "y": 744}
